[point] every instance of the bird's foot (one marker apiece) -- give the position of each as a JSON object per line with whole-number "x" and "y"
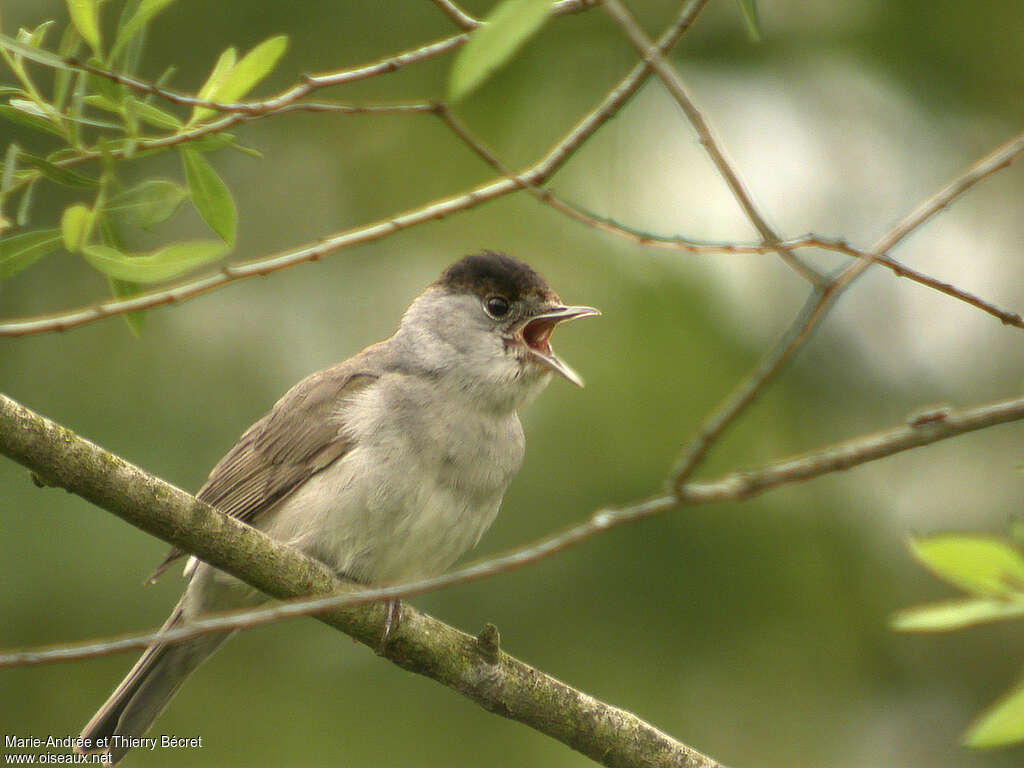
{"x": 392, "y": 620}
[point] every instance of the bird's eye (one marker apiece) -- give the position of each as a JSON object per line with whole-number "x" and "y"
{"x": 496, "y": 306}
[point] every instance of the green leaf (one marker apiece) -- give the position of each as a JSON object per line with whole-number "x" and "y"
{"x": 752, "y": 19}
{"x": 145, "y": 111}
{"x": 240, "y": 79}
{"x": 157, "y": 117}
{"x": 252, "y": 69}
{"x": 986, "y": 566}
{"x": 122, "y": 289}
{"x": 38, "y": 55}
{"x": 211, "y": 142}
{"x": 999, "y": 725}
{"x": 69, "y": 43}
{"x": 250, "y": 151}
{"x": 85, "y": 15}
{"x": 149, "y": 203}
{"x": 75, "y": 223}
{"x": 155, "y": 267}
{"x": 20, "y": 251}
{"x": 131, "y": 117}
{"x": 1016, "y": 531}
{"x": 31, "y": 121}
{"x": 26, "y": 201}
{"x": 36, "y": 36}
{"x": 10, "y": 166}
{"x": 956, "y": 614}
{"x": 492, "y": 45}
{"x": 58, "y": 174}
{"x": 103, "y": 85}
{"x": 30, "y": 108}
{"x": 225, "y": 63}
{"x": 136, "y": 321}
{"x": 210, "y": 195}
{"x": 147, "y": 10}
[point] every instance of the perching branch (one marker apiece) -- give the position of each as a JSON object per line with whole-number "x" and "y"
{"x": 474, "y": 667}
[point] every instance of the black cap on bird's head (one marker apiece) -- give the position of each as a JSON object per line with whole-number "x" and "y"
{"x": 513, "y": 293}
{"x": 488, "y": 272}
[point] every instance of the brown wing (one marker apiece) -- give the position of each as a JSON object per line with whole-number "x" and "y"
{"x": 300, "y": 436}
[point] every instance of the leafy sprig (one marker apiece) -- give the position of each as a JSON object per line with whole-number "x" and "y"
{"x": 87, "y": 117}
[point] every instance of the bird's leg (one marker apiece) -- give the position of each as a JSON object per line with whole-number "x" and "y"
{"x": 392, "y": 619}
{"x": 392, "y": 614}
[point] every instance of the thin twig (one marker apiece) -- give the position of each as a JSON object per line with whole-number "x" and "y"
{"x": 140, "y": 147}
{"x": 996, "y": 160}
{"x": 810, "y": 240}
{"x": 291, "y": 95}
{"x": 901, "y": 270}
{"x": 464, "y": 21}
{"x": 537, "y": 173}
{"x": 235, "y": 118}
{"x": 734, "y": 486}
{"x": 674, "y": 84}
{"x": 458, "y": 16}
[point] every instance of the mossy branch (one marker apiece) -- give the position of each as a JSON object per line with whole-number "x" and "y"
{"x": 474, "y": 667}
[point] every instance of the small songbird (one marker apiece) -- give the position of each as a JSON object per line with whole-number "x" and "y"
{"x": 387, "y": 466}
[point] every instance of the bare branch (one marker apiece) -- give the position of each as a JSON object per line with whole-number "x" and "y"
{"x": 996, "y": 160}
{"x": 473, "y": 667}
{"x": 537, "y": 173}
{"x": 463, "y": 20}
{"x": 562, "y": 7}
{"x": 900, "y": 270}
{"x": 823, "y": 298}
{"x": 679, "y": 243}
{"x": 458, "y": 16}
{"x": 674, "y": 84}
{"x": 810, "y": 240}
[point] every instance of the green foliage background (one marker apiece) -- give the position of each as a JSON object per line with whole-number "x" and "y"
{"x": 756, "y": 632}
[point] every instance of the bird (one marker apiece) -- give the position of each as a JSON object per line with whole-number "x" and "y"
{"x": 387, "y": 466}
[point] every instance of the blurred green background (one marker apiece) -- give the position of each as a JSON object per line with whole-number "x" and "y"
{"x": 756, "y": 632}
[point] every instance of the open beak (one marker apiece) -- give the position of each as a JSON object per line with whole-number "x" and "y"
{"x": 536, "y": 333}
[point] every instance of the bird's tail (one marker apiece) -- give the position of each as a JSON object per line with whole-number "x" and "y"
{"x": 146, "y": 691}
